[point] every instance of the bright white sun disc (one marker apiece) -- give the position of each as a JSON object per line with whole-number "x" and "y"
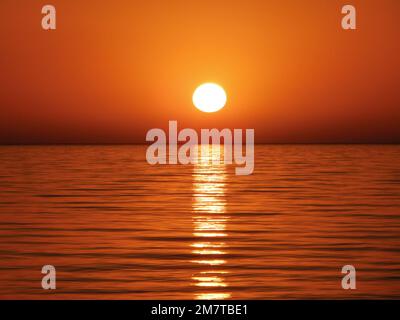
{"x": 209, "y": 97}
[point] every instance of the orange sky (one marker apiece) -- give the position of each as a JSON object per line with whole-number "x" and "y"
{"x": 115, "y": 69}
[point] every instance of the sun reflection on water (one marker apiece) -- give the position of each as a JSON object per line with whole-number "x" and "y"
{"x": 209, "y": 225}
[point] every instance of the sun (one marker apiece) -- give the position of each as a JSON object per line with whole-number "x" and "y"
{"x": 209, "y": 97}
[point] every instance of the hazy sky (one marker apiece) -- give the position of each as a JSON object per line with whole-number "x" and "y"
{"x": 115, "y": 69}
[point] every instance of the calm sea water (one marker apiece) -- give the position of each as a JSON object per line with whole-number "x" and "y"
{"x": 116, "y": 227}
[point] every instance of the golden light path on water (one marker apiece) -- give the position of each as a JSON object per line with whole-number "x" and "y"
{"x": 209, "y": 225}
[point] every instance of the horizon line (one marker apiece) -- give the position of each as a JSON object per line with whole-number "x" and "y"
{"x": 144, "y": 144}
